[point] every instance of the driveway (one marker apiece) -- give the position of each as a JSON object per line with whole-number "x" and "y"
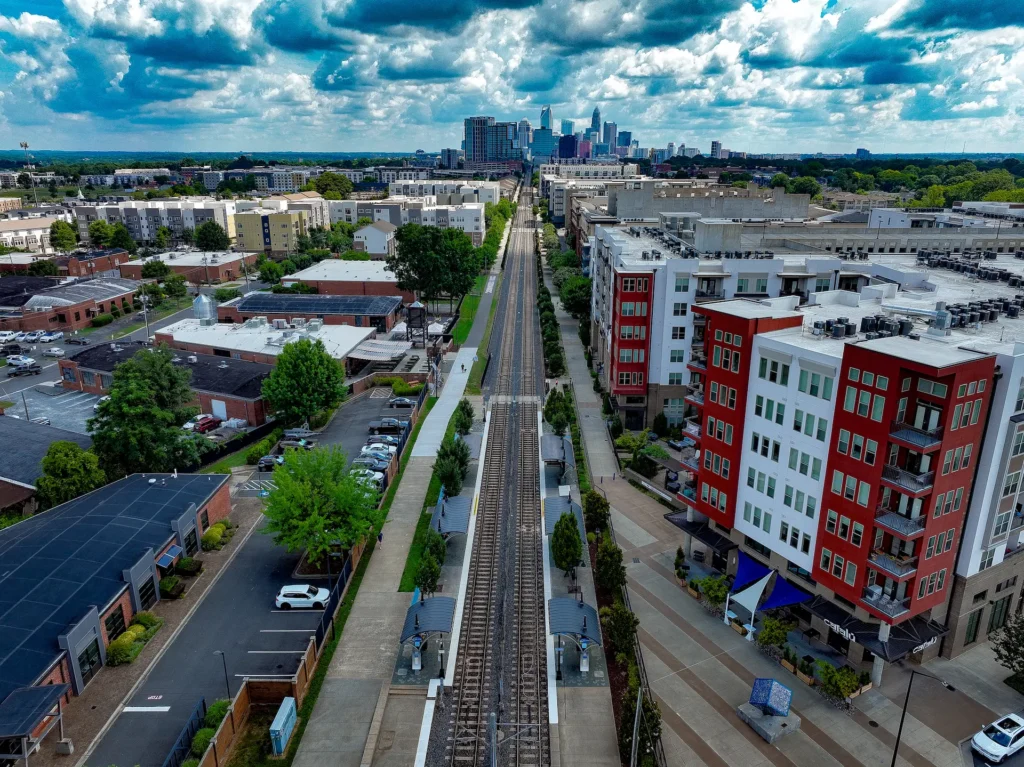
{"x": 237, "y": 617}
{"x": 349, "y": 428}
{"x": 68, "y": 409}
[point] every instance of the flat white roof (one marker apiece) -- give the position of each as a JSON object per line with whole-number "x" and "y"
{"x": 259, "y": 338}
{"x": 195, "y": 257}
{"x": 932, "y": 354}
{"x": 750, "y": 310}
{"x": 336, "y": 270}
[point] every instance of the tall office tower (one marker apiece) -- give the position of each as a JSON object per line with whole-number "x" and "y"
{"x": 476, "y": 137}
{"x": 716, "y": 150}
{"x": 583, "y": 150}
{"x": 544, "y": 145}
{"x": 568, "y": 127}
{"x": 671, "y": 150}
{"x": 611, "y": 131}
{"x": 567, "y": 146}
{"x": 680, "y": 150}
{"x": 625, "y": 138}
{"x": 545, "y": 117}
{"x": 450, "y": 158}
{"x": 490, "y": 141}
{"x": 595, "y": 121}
{"x": 525, "y": 136}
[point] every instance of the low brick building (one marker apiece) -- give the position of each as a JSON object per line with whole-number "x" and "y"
{"x": 227, "y": 388}
{"x": 91, "y": 263}
{"x": 65, "y": 307}
{"x": 334, "y": 277}
{"x": 197, "y": 267}
{"x": 77, "y": 574}
{"x": 379, "y": 312}
{"x": 23, "y": 464}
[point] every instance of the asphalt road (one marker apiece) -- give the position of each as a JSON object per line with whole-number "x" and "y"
{"x": 349, "y": 429}
{"x": 237, "y": 617}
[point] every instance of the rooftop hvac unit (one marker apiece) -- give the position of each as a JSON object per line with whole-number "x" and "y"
{"x": 193, "y": 359}
{"x": 299, "y": 322}
{"x": 279, "y": 324}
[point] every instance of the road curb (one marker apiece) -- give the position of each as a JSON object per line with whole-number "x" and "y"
{"x": 160, "y": 653}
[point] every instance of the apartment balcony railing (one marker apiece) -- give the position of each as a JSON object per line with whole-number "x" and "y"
{"x": 896, "y": 566}
{"x": 905, "y": 527}
{"x": 914, "y": 435}
{"x": 689, "y": 492}
{"x": 908, "y": 480}
{"x": 696, "y": 397}
{"x": 886, "y": 605}
{"x": 801, "y": 294}
{"x": 710, "y": 295}
{"x": 751, "y": 294}
{"x": 697, "y": 341}
{"x": 698, "y": 362}
{"x": 699, "y": 319}
{"x": 690, "y": 462}
{"x": 691, "y": 428}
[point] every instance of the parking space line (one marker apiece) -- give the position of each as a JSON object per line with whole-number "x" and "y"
{"x": 277, "y": 652}
{"x": 287, "y": 631}
{"x": 299, "y": 612}
{"x": 146, "y": 709}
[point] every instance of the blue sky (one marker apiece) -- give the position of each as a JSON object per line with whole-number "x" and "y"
{"x": 364, "y": 75}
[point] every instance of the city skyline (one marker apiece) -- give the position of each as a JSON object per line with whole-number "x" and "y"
{"x": 773, "y": 76}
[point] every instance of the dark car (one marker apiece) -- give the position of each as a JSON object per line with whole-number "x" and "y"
{"x": 269, "y": 462}
{"x": 24, "y": 370}
{"x": 12, "y": 349}
{"x": 204, "y": 425}
{"x": 385, "y": 439}
{"x": 76, "y": 341}
{"x": 388, "y": 426}
{"x": 402, "y": 402}
{"x": 370, "y": 463}
{"x": 675, "y": 444}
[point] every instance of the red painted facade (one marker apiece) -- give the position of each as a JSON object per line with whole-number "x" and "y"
{"x": 197, "y": 274}
{"x": 73, "y": 317}
{"x": 631, "y": 333}
{"x": 923, "y": 460}
{"x": 89, "y": 267}
{"x": 231, "y": 314}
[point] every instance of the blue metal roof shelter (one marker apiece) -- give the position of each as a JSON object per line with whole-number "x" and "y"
{"x": 552, "y": 448}
{"x": 555, "y": 507}
{"x": 429, "y": 616}
{"x": 451, "y": 515}
{"x": 25, "y": 710}
{"x": 574, "y": 618}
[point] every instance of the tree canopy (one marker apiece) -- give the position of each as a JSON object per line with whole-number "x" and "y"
{"x": 566, "y": 546}
{"x": 305, "y": 380}
{"x": 434, "y": 262}
{"x": 43, "y": 267}
{"x": 99, "y": 233}
{"x": 155, "y": 269}
{"x": 63, "y": 236}
{"x": 317, "y": 504}
{"x": 120, "y": 237}
{"x": 68, "y": 472}
{"x": 328, "y": 182}
{"x": 211, "y": 236}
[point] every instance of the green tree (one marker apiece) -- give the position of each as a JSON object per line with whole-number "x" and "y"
{"x": 933, "y": 197}
{"x": 450, "y": 474}
{"x": 163, "y": 238}
{"x": 271, "y": 272}
{"x": 435, "y": 545}
{"x": 428, "y": 573}
{"x": 155, "y": 270}
{"x": 43, "y": 267}
{"x": 620, "y": 626}
{"x": 100, "y": 233}
{"x": 804, "y": 185}
{"x": 120, "y": 237}
{"x": 222, "y": 295}
{"x": 210, "y": 236}
{"x": 714, "y": 589}
{"x": 331, "y": 182}
{"x": 305, "y": 380}
{"x": 434, "y": 262}
{"x": 1008, "y": 644}
{"x": 773, "y": 633}
{"x": 68, "y": 472}
{"x": 649, "y": 731}
{"x": 566, "y": 546}
{"x": 780, "y": 179}
{"x": 609, "y": 572}
{"x": 63, "y": 236}
{"x": 595, "y": 511}
{"x": 354, "y": 255}
{"x": 175, "y": 286}
{"x": 457, "y": 450}
{"x": 25, "y": 180}
{"x": 560, "y": 423}
{"x": 188, "y": 236}
{"x": 318, "y": 504}
{"x": 575, "y": 295}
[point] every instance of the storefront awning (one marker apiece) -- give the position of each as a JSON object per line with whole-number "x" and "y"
{"x": 905, "y": 638}
{"x": 380, "y": 351}
{"x": 702, "y": 532}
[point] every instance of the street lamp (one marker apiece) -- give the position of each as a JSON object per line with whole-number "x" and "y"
{"x": 906, "y": 700}
{"x": 224, "y": 661}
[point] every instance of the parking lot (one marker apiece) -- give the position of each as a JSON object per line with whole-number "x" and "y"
{"x": 238, "y": 618}
{"x": 349, "y": 429}
{"x": 68, "y": 409}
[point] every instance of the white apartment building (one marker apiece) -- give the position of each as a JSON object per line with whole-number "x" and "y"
{"x": 449, "y": 192}
{"x": 31, "y": 234}
{"x": 137, "y": 176}
{"x": 399, "y": 210}
{"x": 586, "y": 171}
{"x": 101, "y": 179}
{"x": 386, "y": 175}
{"x": 318, "y": 212}
{"x": 144, "y": 217}
{"x": 377, "y": 239}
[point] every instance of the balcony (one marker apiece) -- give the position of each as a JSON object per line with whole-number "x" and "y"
{"x": 920, "y": 439}
{"x": 691, "y": 429}
{"x": 801, "y": 294}
{"x": 697, "y": 342}
{"x": 690, "y": 462}
{"x": 698, "y": 362}
{"x": 700, "y": 320}
{"x": 714, "y": 294}
{"x": 908, "y": 481}
{"x": 894, "y": 522}
{"x": 696, "y": 397}
{"x": 899, "y": 567}
{"x": 890, "y": 606}
{"x": 689, "y": 492}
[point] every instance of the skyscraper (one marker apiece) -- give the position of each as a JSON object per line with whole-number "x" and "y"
{"x": 568, "y": 127}
{"x": 525, "y": 135}
{"x": 611, "y": 131}
{"x": 716, "y": 150}
{"x": 544, "y": 145}
{"x": 545, "y": 117}
{"x": 490, "y": 141}
{"x": 625, "y": 138}
{"x": 567, "y": 145}
{"x": 450, "y": 158}
{"x": 671, "y": 149}
{"x": 595, "y": 121}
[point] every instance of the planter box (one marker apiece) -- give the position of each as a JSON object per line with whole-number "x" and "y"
{"x": 807, "y": 680}
{"x": 788, "y": 666}
{"x": 693, "y": 592}
{"x": 738, "y": 628}
{"x": 861, "y": 691}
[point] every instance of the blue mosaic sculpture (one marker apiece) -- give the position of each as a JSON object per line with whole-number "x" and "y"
{"x": 771, "y": 697}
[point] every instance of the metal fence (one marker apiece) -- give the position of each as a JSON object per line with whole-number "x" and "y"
{"x": 327, "y": 618}
{"x": 182, "y": 748}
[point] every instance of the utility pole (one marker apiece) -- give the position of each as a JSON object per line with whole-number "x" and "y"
{"x": 28, "y": 165}
{"x": 206, "y": 263}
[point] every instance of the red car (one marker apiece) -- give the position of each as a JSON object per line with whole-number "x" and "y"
{"x": 204, "y": 425}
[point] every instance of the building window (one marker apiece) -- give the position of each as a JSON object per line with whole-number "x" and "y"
{"x": 147, "y": 594}
{"x": 851, "y": 573}
{"x": 204, "y": 519}
{"x": 678, "y": 310}
{"x": 676, "y": 355}
{"x": 682, "y": 284}
{"x": 88, "y": 378}
{"x": 973, "y": 621}
{"x": 826, "y": 560}
{"x": 114, "y": 624}
{"x": 986, "y": 559}
{"x": 997, "y": 618}
{"x": 69, "y": 376}
{"x": 675, "y": 379}
{"x": 678, "y": 333}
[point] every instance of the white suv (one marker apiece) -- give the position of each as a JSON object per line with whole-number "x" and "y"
{"x": 302, "y": 596}
{"x": 1000, "y": 739}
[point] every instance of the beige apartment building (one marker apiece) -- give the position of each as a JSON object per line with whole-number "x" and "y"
{"x": 271, "y": 231}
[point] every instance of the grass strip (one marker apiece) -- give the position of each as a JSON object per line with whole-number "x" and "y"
{"x": 470, "y": 303}
{"x": 228, "y": 462}
{"x": 476, "y": 374}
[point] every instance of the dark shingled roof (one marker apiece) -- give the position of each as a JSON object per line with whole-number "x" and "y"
{"x": 24, "y": 464}
{"x": 312, "y": 305}
{"x": 15, "y": 291}
{"x": 210, "y": 373}
{"x": 56, "y": 565}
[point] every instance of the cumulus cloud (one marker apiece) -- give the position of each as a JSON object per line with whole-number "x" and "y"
{"x": 772, "y": 75}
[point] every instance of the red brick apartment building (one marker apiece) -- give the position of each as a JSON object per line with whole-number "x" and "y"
{"x": 335, "y": 277}
{"x": 226, "y": 388}
{"x": 91, "y": 263}
{"x": 197, "y": 267}
{"x": 65, "y": 307}
{"x": 111, "y": 561}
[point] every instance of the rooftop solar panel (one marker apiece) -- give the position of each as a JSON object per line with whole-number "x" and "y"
{"x": 313, "y": 305}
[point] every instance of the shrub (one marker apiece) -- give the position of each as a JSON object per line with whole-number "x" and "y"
{"x": 101, "y": 320}
{"x": 714, "y": 589}
{"x": 167, "y": 584}
{"x": 115, "y": 312}
{"x": 216, "y": 712}
{"x": 119, "y": 651}
{"x": 257, "y": 451}
{"x": 839, "y": 682}
{"x": 609, "y": 572}
{"x": 620, "y": 626}
{"x": 660, "y": 425}
{"x": 211, "y": 539}
{"x": 190, "y": 763}
{"x": 773, "y": 633}
{"x": 201, "y": 740}
{"x": 189, "y": 566}
{"x": 146, "y": 619}
{"x": 137, "y": 630}
{"x": 320, "y": 419}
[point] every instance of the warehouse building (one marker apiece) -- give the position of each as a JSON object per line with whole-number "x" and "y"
{"x": 380, "y": 312}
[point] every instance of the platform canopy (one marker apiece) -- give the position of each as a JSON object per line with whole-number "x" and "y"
{"x": 567, "y": 450}
{"x": 24, "y": 710}
{"x": 451, "y": 515}
{"x": 570, "y": 616}
{"x": 552, "y": 449}
{"x": 376, "y": 350}
{"x": 429, "y": 616}
{"x": 555, "y": 507}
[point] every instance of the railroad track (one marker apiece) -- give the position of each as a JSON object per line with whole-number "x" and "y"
{"x": 501, "y": 668}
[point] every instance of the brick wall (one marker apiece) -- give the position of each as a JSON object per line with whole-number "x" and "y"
{"x": 164, "y": 338}
{"x": 219, "y": 272}
{"x": 253, "y": 411}
{"x": 219, "y": 507}
{"x": 76, "y": 268}
{"x": 125, "y": 603}
{"x": 74, "y": 317}
{"x": 59, "y": 674}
